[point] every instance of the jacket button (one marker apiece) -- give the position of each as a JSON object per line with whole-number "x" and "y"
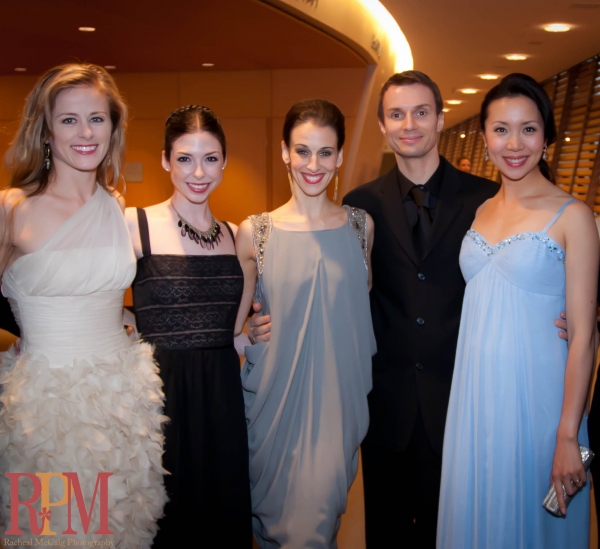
{"x": 420, "y": 321}
{"x": 419, "y": 366}
{"x": 421, "y": 276}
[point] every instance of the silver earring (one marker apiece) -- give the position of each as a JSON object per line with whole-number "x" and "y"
{"x": 167, "y": 169}
{"x": 292, "y": 186}
{"x": 545, "y": 154}
{"x": 47, "y": 156}
{"x": 335, "y": 189}
{"x": 486, "y": 155}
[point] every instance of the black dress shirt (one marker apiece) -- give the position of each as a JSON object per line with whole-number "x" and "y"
{"x": 433, "y": 185}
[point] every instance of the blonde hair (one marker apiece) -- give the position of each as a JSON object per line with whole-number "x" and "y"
{"x": 25, "y": 157}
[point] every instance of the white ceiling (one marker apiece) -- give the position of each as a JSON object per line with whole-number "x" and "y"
{"x": 454, "y": 41}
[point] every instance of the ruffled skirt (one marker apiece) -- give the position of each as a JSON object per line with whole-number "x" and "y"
{"x": 95, "y": 415}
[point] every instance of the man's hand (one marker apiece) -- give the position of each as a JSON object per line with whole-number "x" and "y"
{"x": 562, "y": 324}
{"x": 259, "y": 327}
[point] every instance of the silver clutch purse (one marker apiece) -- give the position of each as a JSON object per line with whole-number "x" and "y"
{"x": 550, "y": 501}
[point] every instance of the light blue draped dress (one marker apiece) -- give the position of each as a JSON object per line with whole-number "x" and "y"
{"x": 506, "y": 401}
{"x": 306, "y": 389}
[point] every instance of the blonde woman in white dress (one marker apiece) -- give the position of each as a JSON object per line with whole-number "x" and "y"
{"x": 78, "y": 395}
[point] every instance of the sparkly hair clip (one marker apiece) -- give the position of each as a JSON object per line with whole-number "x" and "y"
{"x": 187, "y": 108}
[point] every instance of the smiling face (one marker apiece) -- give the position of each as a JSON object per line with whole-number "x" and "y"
{"x": 313, "y": 157}
{"x": 80, "y": 129}
{"x": 196, "y": 165}
{"x": 514, "y": 136}
{"x": 410, "y": 121}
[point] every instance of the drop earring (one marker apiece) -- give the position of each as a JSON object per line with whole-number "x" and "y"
{"x": 292, "y": 186}
{"x": 545, "y": 154}
{"x": 335, "y": 189}
{"x": 486, "y": 155}
{"x": 47, "y": 156}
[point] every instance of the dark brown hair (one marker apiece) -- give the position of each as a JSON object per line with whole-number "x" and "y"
{"x": 319, "y": 111}
{"x": 409, "y": 78}
{"x": 190, "y": 119}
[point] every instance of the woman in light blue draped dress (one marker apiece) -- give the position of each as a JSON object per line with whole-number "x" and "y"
{"x": 516, "y": 413}
{"x": 305, "y": 390}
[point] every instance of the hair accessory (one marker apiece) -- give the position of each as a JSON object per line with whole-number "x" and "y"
{"x": 335, "y": 189}
{"x": 182, "y": 110}
{"x": 47, "y": 156}
{"x": 486, "y": 155}
{"x": 207, "y": 239}
{"x": 292, "y": 186}
{"x": 545, "y": 154}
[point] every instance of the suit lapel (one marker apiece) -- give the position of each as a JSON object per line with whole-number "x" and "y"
{"x": 448, "y": 205}
{"x": 393, "y": 211}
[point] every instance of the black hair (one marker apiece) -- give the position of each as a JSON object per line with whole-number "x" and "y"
{"x": 522, "y": 85}
{"x": 189, "y": 119}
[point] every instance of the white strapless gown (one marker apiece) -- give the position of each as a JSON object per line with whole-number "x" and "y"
{"x": 81, "y": 396}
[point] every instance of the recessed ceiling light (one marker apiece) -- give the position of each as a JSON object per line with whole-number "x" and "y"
{"x": 454, "y": 101}
{"x": 462, "y": 136}
{"x": 110, "y": 67}
{"x": 208, "y": 64}
{"x": 87, "y": 29}
{"x": 20, "y": 69}
{"x": 516, "y": 57}
{"x": 468, "y": 91}
{"x": 567, "y": 139}
{"x": 557, "y": 27}
{"x": 446, "y": 110}
{"x": 489, "y": 76}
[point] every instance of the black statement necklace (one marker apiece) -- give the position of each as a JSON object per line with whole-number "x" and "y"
{"x": 207, "y": 239}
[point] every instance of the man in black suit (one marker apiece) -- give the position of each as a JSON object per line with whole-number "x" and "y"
{"x": 421, "y": 210}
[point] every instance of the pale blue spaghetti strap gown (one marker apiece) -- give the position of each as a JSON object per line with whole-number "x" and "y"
{"x": 506, "y": 400}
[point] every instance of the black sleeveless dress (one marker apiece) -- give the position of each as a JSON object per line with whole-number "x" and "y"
{"x": 186, "y": 306}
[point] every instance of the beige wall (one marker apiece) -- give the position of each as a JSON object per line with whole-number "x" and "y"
{"x": 251, "y": 105}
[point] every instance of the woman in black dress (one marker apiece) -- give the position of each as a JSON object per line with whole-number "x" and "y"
{"x": 186, "y": 299}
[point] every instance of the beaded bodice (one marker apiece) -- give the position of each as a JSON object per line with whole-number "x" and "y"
{"x": 531, "y": 260}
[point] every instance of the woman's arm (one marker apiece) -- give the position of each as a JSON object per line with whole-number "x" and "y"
{"x": 245, "y": 252}
{"x": 370, "y": 240}
{"x": 581, "y": 267}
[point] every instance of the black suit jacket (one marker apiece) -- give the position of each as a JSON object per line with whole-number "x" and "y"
{"x": 416, "y": 305}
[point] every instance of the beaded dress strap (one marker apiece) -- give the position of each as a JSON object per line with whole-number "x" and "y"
{"x": 557, "y": 214}
{"x": 357, "y": 219}
{"x": 261, "y": 231}
{"x": 144, "y": 232}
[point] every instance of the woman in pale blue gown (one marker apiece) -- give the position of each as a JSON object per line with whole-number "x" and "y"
{"x": 516, "y": 412}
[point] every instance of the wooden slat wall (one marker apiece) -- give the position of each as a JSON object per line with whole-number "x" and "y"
{"x": 574, "y": 157}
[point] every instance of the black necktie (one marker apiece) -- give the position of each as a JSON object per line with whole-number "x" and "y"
{"x": 422, "y": 228}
